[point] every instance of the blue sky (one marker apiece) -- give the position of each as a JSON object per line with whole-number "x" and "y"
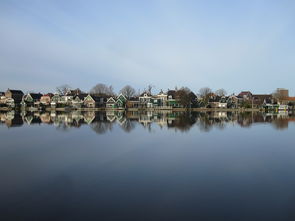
{"x": 235, "y": 45}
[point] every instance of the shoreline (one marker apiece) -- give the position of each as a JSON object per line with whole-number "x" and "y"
{"x": 141, "y": 109}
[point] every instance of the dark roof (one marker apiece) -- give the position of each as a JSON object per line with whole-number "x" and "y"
{"x": 289, "y": 99}
{"x": 2, "y": 93}
{"x": 49, "y": 94}
{"x": 142, "y": 94}
{"x": 97, "y": 98}
{"x": 100, "y": 95}
{"x": 171, "y": 93}
{"x": 36, "y": 96}
{"x": 262, "y": 96}
{"x": 133, "y": 99}
{"x": 192, "y": 95}
{"x": 16, "y": 91}
{"x": 244, "y": 93}
{"x": 81, "y": 96}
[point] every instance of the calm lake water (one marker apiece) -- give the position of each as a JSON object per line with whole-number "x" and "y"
{"x": 147, "y": 166}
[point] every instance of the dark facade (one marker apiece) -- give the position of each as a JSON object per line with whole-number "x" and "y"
{"x": 16, "y": 95}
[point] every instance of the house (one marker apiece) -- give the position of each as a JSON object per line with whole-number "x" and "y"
{"x": 92, "y": 101}
{"x": 288, "y": 101}
{"x": 245, "y": 95}
{"x": 232, "y": 101}
{"x": 245, "y": 99}
{"x": 111, "y": 103}
{"x": 78, "y": 100}
{"x": 162, "y": 99}
{"x": 217, "y": 102}
{"x": 31, "y": 99}
{"x": 222, "y": 102}
{"x": 2, "y": 99}
{"x": 14, "y": 96}
{"x": 172, "y": 99}
{"x": 55, "y": 100}
{"x": 121, "y": 101}
{"x": 156, "y": 102}
{"x": 260, "y": 100}
{"x": 66, "y": 100}
{"x": 145, "y": 100}
{"x": 132, "y": 102}
{"x": 46, "y": 99}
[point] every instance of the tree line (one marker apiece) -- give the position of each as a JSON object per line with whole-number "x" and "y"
{"x": 129, "y": 91}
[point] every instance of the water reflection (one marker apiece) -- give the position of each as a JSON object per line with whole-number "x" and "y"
{"x": 102, "y": 122}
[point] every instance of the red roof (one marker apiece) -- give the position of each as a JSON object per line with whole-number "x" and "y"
{"x": 289, "y": 99}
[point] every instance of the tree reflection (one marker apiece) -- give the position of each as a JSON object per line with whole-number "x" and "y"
{"x": 102, "y": 122}
{"x": 101, "y": 127}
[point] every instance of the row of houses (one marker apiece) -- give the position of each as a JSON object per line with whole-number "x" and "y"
{"x": 171, "y": 99}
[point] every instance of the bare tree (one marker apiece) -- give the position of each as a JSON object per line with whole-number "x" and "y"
{"x": 204, "y": 94}
{"x": 63, "y": 89}
{"x": 220, "y": 92}
{"x": 102, "y": 89}
{"x": 149, "y": 88}
{"x": 128, "y": 91}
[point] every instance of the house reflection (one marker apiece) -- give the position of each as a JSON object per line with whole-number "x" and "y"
{"x": 102, "y": 122}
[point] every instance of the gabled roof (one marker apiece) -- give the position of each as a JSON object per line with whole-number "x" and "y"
{"x": 16, "y": 92}
{"x": 145, "y": 93}
{"x": 262, "y": 96}
{"x": 162, "y": 93}
{"x": 133, "y": 99}
{"x": 111, "y": 99}
{"x": 94, "y": 97}
{"x": 121, "y": 96}
{"x": 80, "y": 96}
{"x": 48, "y": 95}
{"x": 36, "y": 96}
{"x": 244, "y": 93}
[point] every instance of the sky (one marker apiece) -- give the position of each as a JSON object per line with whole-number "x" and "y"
{"x": 235, "y": 45}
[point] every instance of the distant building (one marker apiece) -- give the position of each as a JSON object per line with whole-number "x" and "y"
{"x": 145, "y": 100}
{"x": 282, "y": 93}
{"x": 245, "y": 95}
{"x": 260, "y": 100}
{"x": 132, "y": 102}
{"x": 78, "y": 100}
{"x": 31, "y": 99}
{"x": 16, "y": 95}
{"x": 217, "y": 102}
{"x": 46, "y": 99}
{"x": 92, "y": 101}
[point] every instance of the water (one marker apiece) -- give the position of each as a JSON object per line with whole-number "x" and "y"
{"x": 147, "y": 166}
